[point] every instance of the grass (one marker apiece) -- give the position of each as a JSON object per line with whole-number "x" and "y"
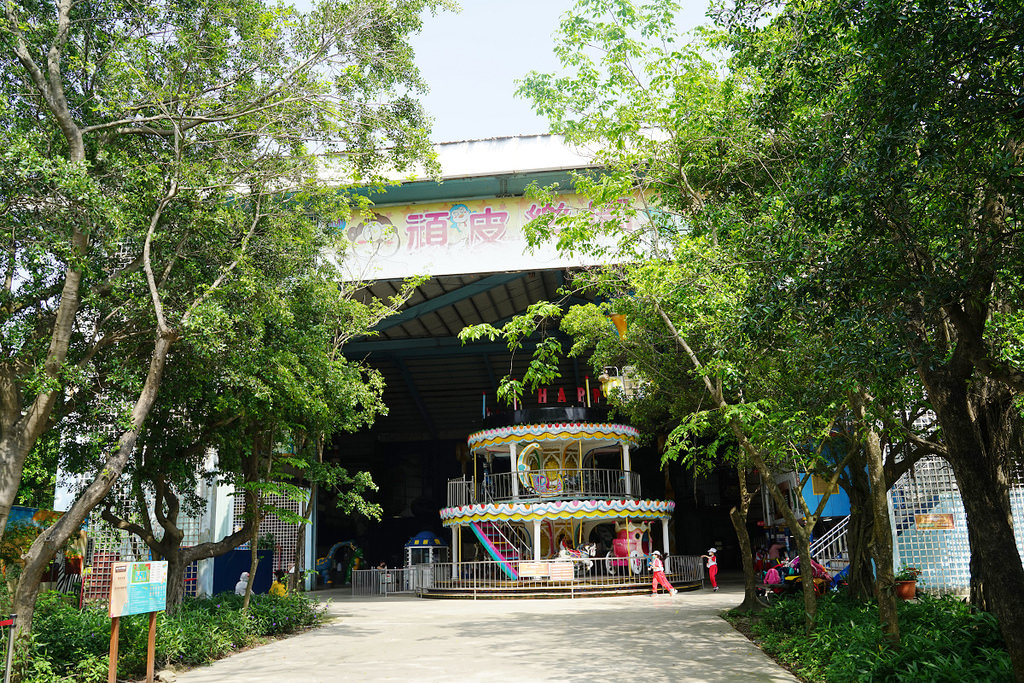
{"x": 942, "y": 639}
{"x": 71, "y": 644}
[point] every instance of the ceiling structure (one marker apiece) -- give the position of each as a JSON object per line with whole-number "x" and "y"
{"x": 435, "y": 383}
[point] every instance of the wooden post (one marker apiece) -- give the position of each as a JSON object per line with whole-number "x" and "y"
{"x": 115, "y": 628}
{"x": 151, "y": 647}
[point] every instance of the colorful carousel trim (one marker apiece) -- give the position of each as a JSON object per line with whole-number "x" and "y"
{"x": 554, "y": 432}
{"x": 563, "y": 509}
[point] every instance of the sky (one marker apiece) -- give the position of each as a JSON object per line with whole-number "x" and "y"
{"x": 471, "y": 60}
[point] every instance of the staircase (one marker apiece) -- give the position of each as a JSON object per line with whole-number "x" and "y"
{"x": 832, "y": 549}
{"x": 503, "y": 543}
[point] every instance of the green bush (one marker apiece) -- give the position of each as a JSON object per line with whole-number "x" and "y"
{"x": 71, "y": 644}
{"x": 942, "y": 639}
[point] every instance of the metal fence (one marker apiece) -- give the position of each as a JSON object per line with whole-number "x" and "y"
{"x": 388, "y": 581}
{"x": 544, "y": 575}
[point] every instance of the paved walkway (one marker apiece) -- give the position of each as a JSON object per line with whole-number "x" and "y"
{"x": 402, "y": 638}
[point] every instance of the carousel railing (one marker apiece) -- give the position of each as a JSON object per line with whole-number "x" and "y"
{"x": 460, "y": 492}
{"x": 550, "y": 484}
{"x": 487, "y": 576}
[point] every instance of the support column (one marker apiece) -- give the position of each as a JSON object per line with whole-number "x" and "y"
{"x": 536, "y": 540}
{"x": 514, "y": 466}
{"x": 628, "y": 469}
{"x": 664, "y": 535}
{"x": 456, "y": 551}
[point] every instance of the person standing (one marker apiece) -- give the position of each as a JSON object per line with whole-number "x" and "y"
{"x": 658, "y": 568}
{"x": 712, "y": 567}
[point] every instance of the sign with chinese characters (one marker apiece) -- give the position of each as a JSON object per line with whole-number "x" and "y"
{"x": 137, "y": 587}
{"x": 533, "y": 570}
{"x": 561, "y": 571}
{"x": 934, "y": 521}
{"x": 450, "y": 238}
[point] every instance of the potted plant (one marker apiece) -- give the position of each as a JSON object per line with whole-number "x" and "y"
{"x": 906, "y": 582}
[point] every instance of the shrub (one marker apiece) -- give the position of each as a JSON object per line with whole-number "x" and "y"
{"x": 943, "y": 639}
{"x": 71, "y": 644}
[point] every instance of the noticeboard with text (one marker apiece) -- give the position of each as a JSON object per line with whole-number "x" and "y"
{"x": 137, "y": 588}
{"x": 942, "y": 521}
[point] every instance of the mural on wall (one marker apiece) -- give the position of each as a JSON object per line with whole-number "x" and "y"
{"x": 452, "y": 237}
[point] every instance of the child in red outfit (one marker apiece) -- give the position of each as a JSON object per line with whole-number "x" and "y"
{"x": 712, "y": 567}
{"x": 658, "y": 567}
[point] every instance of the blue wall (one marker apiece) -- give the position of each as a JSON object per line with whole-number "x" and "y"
{"x": 229, "y": 566}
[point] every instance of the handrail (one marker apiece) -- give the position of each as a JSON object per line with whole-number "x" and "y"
{"x": 833, "y": 543}
{"x": 565, "y": 484}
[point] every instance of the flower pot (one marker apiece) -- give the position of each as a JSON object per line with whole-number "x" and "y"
{"x": 906, "y": 589}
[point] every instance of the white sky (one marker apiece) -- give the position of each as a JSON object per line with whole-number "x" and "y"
{"x": 470, "y": 61}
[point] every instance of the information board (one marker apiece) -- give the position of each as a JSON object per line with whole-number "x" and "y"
{"x": 941, "y": 521}
{"x": 138, "y": 587}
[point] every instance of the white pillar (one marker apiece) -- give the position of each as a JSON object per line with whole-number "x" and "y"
{"x": 515, "y": 470}
{"x": 626, "y": 466}
{"x": 309, "y": 561}
{"x": 536, "y": 540}
{"x": 456, "y": 551}
{"x": 664, "y": 535}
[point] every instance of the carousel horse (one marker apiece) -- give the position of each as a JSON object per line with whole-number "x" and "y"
{"x": 583, "y": 554}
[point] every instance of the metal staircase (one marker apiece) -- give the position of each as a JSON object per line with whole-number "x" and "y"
{"x": 503, "y": 542}
{"x": 832, "y": 549}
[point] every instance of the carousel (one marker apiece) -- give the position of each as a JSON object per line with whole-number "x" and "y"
{"x": 553, "y": 505}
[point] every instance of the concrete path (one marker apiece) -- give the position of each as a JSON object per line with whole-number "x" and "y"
{"x": 402, "y": 638}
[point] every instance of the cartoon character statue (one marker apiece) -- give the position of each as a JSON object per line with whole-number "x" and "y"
{"x": 630, "y": 546}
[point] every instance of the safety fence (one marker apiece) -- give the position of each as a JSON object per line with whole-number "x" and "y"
{"x": 554, "y": 484}
{"x": 389, "y": 581}
{"x": 567, "y": 576}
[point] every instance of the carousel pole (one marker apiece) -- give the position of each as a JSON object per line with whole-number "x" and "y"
{"x": 456, "y": 551}
{"x": 515, "y": 470}
{"x": 536, "y": 540}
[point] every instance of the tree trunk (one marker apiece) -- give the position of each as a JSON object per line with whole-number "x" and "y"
{"x": 176, "y": 566}
{"x": 860, "y": 577}
{"x": 19, "y": 434}
{"x": 43, "y": 549}
{"x": 738, "y": 516}
{"x": 254, "y": 561}
{"x": 881, "y": 534}
{"x": 803, "y": 547}
{"x": 976, "y": 433}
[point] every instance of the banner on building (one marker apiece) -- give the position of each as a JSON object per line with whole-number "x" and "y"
{"x": 447, "y": 238}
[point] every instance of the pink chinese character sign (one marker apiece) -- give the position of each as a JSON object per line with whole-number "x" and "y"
{"x": 452, "y": 238}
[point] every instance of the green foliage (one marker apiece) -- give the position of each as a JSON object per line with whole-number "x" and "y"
{"x": 943, "y": 639}
{"x": 70, "y": 644}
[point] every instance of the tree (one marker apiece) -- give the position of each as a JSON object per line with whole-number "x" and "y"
{"x": 905, "y": 207}
{"x": 148, "y": 152}
{"x": 665, "y": 122}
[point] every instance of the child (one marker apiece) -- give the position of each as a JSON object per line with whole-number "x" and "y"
{"x": 278, "y": 588}
{"x": 658, "y": 567}
{"x": 712, "y": 567}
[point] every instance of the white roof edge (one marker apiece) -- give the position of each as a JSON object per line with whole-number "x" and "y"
{"x": 518, "y": 154}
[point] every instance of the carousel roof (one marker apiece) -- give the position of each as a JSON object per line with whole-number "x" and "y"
{"x": 608, "y": 510}
{"x": 425, "y": 539}
{"x": 607, "y": 433}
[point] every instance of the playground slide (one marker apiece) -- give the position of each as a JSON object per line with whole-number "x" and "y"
{"x": 505, "y": 565}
